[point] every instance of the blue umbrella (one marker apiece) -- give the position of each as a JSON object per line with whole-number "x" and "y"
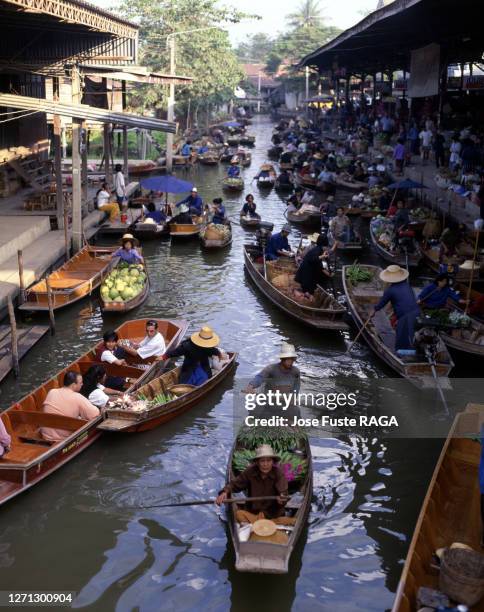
{"x": 233, "y": 124}
{"x": 167, "y": 183}
{"x": 406, "y": 184}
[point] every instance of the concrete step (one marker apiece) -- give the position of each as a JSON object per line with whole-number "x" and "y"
{"x": 16, "y": 233}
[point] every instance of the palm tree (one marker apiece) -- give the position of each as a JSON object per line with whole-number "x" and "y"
{"x": 309, "y": 14}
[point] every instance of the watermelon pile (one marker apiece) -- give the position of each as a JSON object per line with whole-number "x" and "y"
{"x": 124, "y": 283}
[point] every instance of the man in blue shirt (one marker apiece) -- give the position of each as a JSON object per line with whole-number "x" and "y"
{"x": 219, "y": 217}
{"x": 186, "y": 150}
{"x": 234, "y": 170}
{"x": 194, "y": 202}
{"x": 278, "y": 245}
{"x": 436, "y": 294}
{"x": 405, "y": 307}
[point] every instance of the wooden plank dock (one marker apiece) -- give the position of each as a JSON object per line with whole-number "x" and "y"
{"x": 27, "y": 338}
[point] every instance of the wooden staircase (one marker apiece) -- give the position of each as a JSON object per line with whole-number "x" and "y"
{"x": 32, "y": 171}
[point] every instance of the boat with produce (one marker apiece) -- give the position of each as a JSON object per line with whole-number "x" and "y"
{"x": 275, "y": 280}
{"x": 247, "y": 139}
{"x": 407, "y": 254}
{"x": 186, "y": 231}
{"x": 458, "y": 330}
{"x": 450, "y": 513}
{"x": 233, "y": 184}
{"x": 160, "y": 400}
{"x": 79, "y": 277}
{"x": 216, "y": 236}
{"x": 271, "y": 554}
{"x": 465, "y": 267}
{"x": 344, "y": 181}
{"x": 210, "y": 158}
{"x": 364, "y": 289}
{"x": 125, "y": 288}
{"x": 31, "y": 458}
{"x": 268, "y": 180}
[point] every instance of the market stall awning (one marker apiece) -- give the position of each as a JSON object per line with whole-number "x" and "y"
{"x": 136, "y": 74}
{"x": 83, "y": 111}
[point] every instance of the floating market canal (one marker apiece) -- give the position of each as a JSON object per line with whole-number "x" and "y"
{"x": 83, "y": 529}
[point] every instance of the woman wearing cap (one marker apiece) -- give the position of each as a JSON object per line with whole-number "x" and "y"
{"x": 261, "y": 479}
{"x": 183, "y": 217}
{"x": 278, "y": 245}
{"x": 405, "y": 307}
{"x": 196, "y": 351}
{"x": 128, "y": 252}
{"x": 314, "y": 269}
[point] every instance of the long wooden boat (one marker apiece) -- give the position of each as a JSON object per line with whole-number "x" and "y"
{"x": 274, "y": 152}
{"x": 450, "y": 511}
{"x": 308, "y": 182}
{"x": 431, "y": 258}
{"x": 244, "y": 160}
{"x": 328, "y": 314}
{"x": 350, "y": 185}
{"x": 250, "y": 223}
{"x": 233, "y": 141}
{"x": 306, "y": 218}
{"x": 186, "y": 231}
{"x": 150, "y": 231}
{"x": 411, "y": 260}
{"x": 126, "y": 420}
{"x": 380, "y": 335}
{"x": 233, "y": 184}
{"x": 247, "y": 139}
{"x": 126, "y": 306}
{"x": 355, "y": 245}
{"x": 209, "y": 159}
{"x": 74, "y": 280}
{"x": 267, "y": 557}
{"x": 469, "y": 340}
{"x": 32, "y": 458}
{"x": 283, "y": 187}
{"x": 266, "y": 183}
{"x": 214, "y": 243}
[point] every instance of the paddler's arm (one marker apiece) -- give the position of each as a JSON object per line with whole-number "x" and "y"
{"x": 258, "y": 379}
{"x": 239, "y": 483}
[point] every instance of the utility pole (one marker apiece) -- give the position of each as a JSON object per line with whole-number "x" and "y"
{"x": 170, "y": 41}
{"x": 258, "y": 92}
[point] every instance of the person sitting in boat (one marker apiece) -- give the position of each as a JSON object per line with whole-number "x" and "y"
{"x": 128, "y": 252}
{"x": 266, "y": 173}
{"x": 305, "y": 170}
{"x": 329, "y": 208}
{"x": 194, "y": 203}
{"x": 250, "y": 207}
{"x": 152, "y": 345}
{"x": 203, "y": 148}
{"x": 219, "y": 216}
{"x": 385, "y": 200}
{"x": 183, "y": 217}
{"x": 340, "y": 226}
{"x": 278, "y": 245}
{"x": 296, "y": 198}
{"x": 286, "y": 157}
{"x": 314, "y": 269}
{"x": 402, "y": 217}
{"x": 437, "y": 294}
{"x": 263, "y": 478}
{"x": 405, "y": 307}
{"x": 95, "y": 388}
{"x": 5, "y": 439}
{"x": 158, "y": 216}
{"x": 283, "y": 375}
{"x": 111, "y": 352}
{"x": 284, "y": 179}
{"x": 196, "y": 351}
{"x": 67, "y": 401}
{"x": 104, "y": 204}
{"x": 234, "y": 170}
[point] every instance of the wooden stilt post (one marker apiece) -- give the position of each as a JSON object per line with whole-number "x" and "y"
{"x": 13, "y": 331}
{"x": 51, "y": 306}
{"x": 21, "y": 298}
{"x": 58, "y": 158}
{"x": 67, "y": 242}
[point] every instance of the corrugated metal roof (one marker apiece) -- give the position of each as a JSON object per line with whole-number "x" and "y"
{"x": 83, "y": 111}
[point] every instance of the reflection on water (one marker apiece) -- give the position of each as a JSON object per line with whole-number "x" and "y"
{"x": 84, "y": 529}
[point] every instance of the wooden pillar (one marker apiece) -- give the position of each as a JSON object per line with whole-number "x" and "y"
{"x": 76, "y": 167}
{"x": 347, "y": 89}
{"x": 58, "y": 160}
{"x": 125, "y": 134}
{"x": 84, "y": 163}
{"x": 107, "y": 153}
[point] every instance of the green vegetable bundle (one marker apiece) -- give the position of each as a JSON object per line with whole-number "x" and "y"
{"x": 356, "y": 274}
{"x": 280, "y": 440}
{"x": 157, "y": 400}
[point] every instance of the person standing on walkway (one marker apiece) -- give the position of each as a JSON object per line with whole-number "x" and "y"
{"x": 119, "y": 185}
{"x": 426, "y": 144}
{"x": 439, "y": 149}
{"x": 399, "y": 155}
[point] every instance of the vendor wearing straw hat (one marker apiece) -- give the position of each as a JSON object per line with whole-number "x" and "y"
{"x": 278, "y": 244}
{"x": 234, "y": 170}
{"x": 402, "y": 298}
{"x": 263, "y": 478}
{"x": 196, "y": 352}
{"x": 283, "y": 376}
{"x": 128, "y": 251}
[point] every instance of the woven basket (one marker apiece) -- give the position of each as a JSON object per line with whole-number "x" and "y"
{"x": 462, "y": 576}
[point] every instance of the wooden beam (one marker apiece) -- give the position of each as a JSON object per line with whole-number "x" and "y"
{"x": 58, "y": 160}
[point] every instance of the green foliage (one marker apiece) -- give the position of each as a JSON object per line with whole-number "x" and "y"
{"x": 255, "y": 49}
{"x": 281, "y": 440}
{"x": 205, "y": 55}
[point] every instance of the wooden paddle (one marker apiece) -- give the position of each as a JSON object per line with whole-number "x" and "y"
{"x": 206, "y": 502}
{"x": 359, "y": 334}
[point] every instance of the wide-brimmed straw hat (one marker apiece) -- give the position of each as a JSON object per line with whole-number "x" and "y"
{"x": 266, "y": 167}
{"x": 330, "y": 199}
{"x": 393, "y": 274}
{"x": 205, "y": 338}
{"x": 129, "y": 238}
{"x": 440, "y": 551}
{"x": 469, "y": 264}
{"x": 265, "y": 450}
{"x": 264, "y": 528}
{"x": 318, "y": 156}
{"x": 287, "y": 351}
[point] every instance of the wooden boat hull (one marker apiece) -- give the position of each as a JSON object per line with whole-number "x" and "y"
{"x": 180, "y": 231}
{"x": 450, "y": 511}
{"x": 208, "y": 161}
{"x": 121, "y": 307}
{"x": 215, "y": 244}
{"x": 248, "y": 141}
{"x": 361, "y": 302}
{"x": 246, "y": 161}
{"x": 283, "y": 187}
{"x": 122, "y": 420}
{"x": 462, "y": 276}
{"x": 233, "y": 186}
{"x": 413, "y": 259}
{"x": 318, "y": 318}
{"x": 31, "y": 457}
{"x": 150, "y": 231}
{"x": 79, "y": 277}
{"x": 250, "y": 224}
{"x": 233, "y": 142}
{"x": 351, "y": 185}
{"x": 266, "y": 185}
{"x": 307, "y": 219}
{"x": 266, "y": 557}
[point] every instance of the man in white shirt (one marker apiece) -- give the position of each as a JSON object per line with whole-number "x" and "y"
{"x": 426, "y": 142}
{"x": 119, "y": 184}
{"x": 152, "y": 345}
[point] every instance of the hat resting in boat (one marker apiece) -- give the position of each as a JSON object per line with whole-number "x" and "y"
{"x": 469, "y": 264}
{"x": 265, "y": 450}
{"x": 264, "y": 528}
{"x": 129, "y": 238}
{"x": 206, "y": 337}
{"x": 287, "y": 351}
{"x": 393, "y": 274}
{"x": 184, "y": 208}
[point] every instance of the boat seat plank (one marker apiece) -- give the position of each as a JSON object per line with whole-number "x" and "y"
{"x": 22, "y": 453}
